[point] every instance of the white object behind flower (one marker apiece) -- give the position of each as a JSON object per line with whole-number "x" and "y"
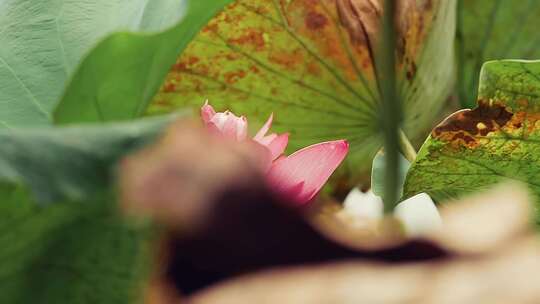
{"x": 418, "y": 214}
{"x": 366, "y": 206}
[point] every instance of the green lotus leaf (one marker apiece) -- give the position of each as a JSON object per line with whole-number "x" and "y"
{"x": 119, "y": 77}
{"x": 310, "y": 63}
{"x": 62, "y": 237}
{"x": 498, "y": 140}
{"x": 43, "y": 42}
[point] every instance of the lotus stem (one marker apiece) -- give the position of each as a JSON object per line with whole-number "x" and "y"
{"x": 406, "y": 147}
{"x": 390, "y": 114}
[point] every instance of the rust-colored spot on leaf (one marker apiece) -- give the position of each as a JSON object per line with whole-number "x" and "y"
{"x": 254, "y": 69}
{"x": 313, "y": 68}
{"x": 289, "y": 60}
{"x": 180, "y": 66}
{"x": 411, "y": 71}
{"x": 463, "y": 126}
{"x": 186, "y": 64}
{"x": 169, "y": 87}
{"x": 517, "y": 120}
{"x": 469, "y": 140}
{"x": 233, "y": 77}
{"x": 211, "y": 27}
{"x": 526, "y": 118}
{"x": 193, "y": 60}
{"x": 250, "y": 37}
{"x": 316, "y": 21}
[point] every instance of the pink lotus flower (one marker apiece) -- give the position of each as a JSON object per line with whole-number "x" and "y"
{"x": 299, "y": 176}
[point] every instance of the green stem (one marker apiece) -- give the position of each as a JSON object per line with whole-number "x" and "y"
{"x": 406, "y": 147}
{"x": 390, "y": 113}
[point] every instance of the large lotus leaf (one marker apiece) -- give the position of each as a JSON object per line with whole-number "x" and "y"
{"x": 493, "y": 30}
{"x": 499, "y": 139}
{"x": 43, "y": 42}
{"x": 310, "y": 63}
{"x": 118, "y": 79}
{"x": 62, "y": 239}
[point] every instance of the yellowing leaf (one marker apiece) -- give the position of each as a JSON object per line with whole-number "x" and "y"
{"x": 500, "y": 139}
{"x": 310, "y": 62}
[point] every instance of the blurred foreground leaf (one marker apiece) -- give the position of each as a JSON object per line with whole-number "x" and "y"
{"x": 61, "y": 237}
{"x": 481, "y": 254}
{"x": 498, "y": 140}
{"x": 311, "y": 64}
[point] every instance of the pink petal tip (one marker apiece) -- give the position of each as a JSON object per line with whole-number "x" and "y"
{"x": 207, "y": 112}
{"x": 262, "y": 132}
{"x": 311, "y": 166}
